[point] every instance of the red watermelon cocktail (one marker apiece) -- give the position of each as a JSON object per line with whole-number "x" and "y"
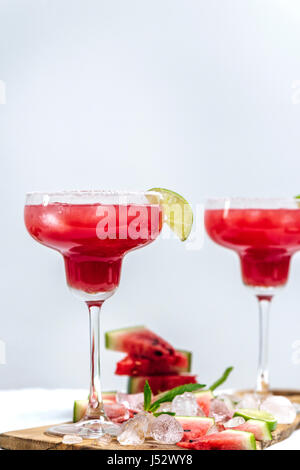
{"x": 93, "y": 238}
{"x": 265, "y": 233}
{"x": 93, "y": 230}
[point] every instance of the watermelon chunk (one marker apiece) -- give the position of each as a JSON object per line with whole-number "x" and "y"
{"x": 79, "y": 409}
{"x": 194, "y": 426}
{"x": 225, "y": 440}
{"x": 109, "y": 397}
{"x": 159, "y": 383}
{"x": 114, "y": 411}
{"x": 204, "y": 398}
{"x": 259, "y": 428}
{"x": 134, "y": 366}
{"x": 80, "y": 406}
{"x": 261, "y": 415}
{"x": 139, "y": 342}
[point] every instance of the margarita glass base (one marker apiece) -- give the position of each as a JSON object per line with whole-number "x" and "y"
{"x": 87, "y": 429}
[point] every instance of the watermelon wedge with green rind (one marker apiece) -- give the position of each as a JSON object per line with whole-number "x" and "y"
{"x": 80, "y": 406}
{"x": 225, "y": 440}
{"x": 204, "y": 397}
{"x": 114, "y": 411}
{"x": 109, "y": 396}
{"x": 258, "y": 428}
{"x": 159, "y": 383}
{"x": 79, "y": 409}
{"x": 167, "y": 365}
{"x": 138, "y": 341}
{"x": 249, "y": 413}
{"x": 194, "y": 426}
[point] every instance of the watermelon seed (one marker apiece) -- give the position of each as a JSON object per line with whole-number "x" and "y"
{"x": 158, "y": 353}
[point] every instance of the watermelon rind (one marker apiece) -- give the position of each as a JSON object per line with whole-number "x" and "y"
{"x": 265, "y": 434}
{"x": 249, "y": 442}
{"x": 134, "y": 383}
{"x": 109, "y": 396}
{"x": 79, "y": 409}
{"x": 112, "y": 337}
{"x": 80, "y": 406}
{"x": 225, "y": 440}
{"x": 189, "y": 356}
{"x": 249, "y": 413}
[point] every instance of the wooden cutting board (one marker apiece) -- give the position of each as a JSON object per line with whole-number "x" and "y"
{"x": 37, "y": 439}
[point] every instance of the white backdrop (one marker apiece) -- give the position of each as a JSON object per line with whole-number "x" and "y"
{"x": 201, "y": 97}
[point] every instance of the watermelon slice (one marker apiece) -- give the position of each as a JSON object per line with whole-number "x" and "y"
{"x": 261, "y": 415}
{"x": 194, "y": 426}
{"x": 80, "y": 406}
{"x": 134, "y": 366}
{"x": 79, "y": 409}
{"x": 159, "y": 383}
{"x": 259, "y": 428}
{"x": 225, "y": 440}
{"x": 138, "y": 341}
{"x": 109, "y": 397}
{"x": 204, "y": 398}
{"x": 114, "y": 411}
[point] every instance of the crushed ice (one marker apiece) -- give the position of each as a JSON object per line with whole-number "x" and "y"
{"x": 132, "y": 401}
{"x": 220, "y": 411}
{"x": 185, "y": 405}
{"x": 71, "y": 439}
{"x": 166, "y": 429}
{"x": 280, "y": 407}
{"x": 134, "y": 431}
{"x": 234, "y": 422}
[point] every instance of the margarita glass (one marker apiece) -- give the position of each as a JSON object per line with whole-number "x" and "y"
{"x": 265, "y": 233}
{"x": 93, "y": 230}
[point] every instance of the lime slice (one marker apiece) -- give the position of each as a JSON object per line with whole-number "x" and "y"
{"x": 178, "y": 213}
{"x": 248, "y": 413}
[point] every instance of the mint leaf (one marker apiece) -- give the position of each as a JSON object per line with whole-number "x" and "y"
{"x": 171, "y": 394}
{"x": 222, "y": 379}
{"x": 147, "y": 396}
{"x": 170, "y": 413}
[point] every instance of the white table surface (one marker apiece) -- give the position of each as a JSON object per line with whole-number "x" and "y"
{"x": 28, "y": 408}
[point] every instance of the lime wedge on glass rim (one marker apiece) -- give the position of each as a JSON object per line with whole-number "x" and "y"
{"x": 260, "y": 415}
{"x": 177, "y": 212}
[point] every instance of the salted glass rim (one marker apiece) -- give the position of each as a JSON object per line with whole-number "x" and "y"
{"x": 89, "y": 196}
{"x": 252, "y": 203}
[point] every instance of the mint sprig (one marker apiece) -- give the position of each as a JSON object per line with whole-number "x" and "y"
{"x": 170, "y": 413}
{"x": 171, "y": 394}
{"x": 222, "y": 379}
{"x": 147, "y": 396}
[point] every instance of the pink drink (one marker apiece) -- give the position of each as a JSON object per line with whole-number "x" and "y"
{"x": 264, "y": 239}
{"x": 93, "y": 264}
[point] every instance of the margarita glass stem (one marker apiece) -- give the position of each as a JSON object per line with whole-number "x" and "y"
{"x": 264, "y": 303}
{"x": 95, "y": 407}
